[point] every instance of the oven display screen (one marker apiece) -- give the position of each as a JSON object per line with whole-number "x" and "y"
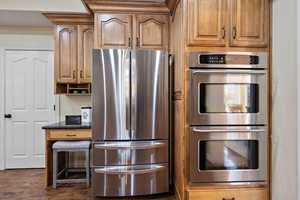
{"x": 212, "y": 59}
{"x": 222, "y": 59}
{"x": 228, "y": 154}
{"x": 228, "y": 98}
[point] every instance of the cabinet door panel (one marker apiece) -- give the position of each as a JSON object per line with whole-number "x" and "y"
{"x": 66, "y": 54}
{"x": 249, "y": 23}
{"x": 113, "y": 31}
{"x": 85, "y": 46}
{"x": 151, "y": 32}
{"x": 206, "y": 22}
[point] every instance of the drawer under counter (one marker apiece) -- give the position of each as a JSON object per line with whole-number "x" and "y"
{"x": 229, "y": 194}
{"x": 69, "y": 134}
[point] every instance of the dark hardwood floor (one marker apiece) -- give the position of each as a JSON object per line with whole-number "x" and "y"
{"x": 29, "y": 184}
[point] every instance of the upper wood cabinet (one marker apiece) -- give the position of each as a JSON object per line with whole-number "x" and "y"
{"x": 66, "y": 54}
{"x": 151, "y": 32}
{"x": 131, "y": 31}
{"x": 220, "y": 23}
{"x": 73, "y": 53}
{"x": 113, "y": 30}
{"x": 249, "y": 23}
{"x": 206, "y": 22}
{"x": 85, "y": 47}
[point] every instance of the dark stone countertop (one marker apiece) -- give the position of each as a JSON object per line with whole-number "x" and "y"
{"x": 63, "y": 125}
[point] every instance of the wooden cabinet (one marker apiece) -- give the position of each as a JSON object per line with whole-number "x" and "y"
{"x": 206, "y": 22}
{"x": 85, "y": 47}
{"x": 131, "y": 31}
{"x": 66, "y": 53}
{"x": 249, "y": 23}
{"x": 234, "y": 23}
{"x": 113, "y": 30}
{"x": 73, "y": 53}
{"x": 229, "y": 194}
{"x": 151, "y": 32}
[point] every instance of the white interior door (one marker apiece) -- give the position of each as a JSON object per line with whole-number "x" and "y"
{"x": 29, "y": 98}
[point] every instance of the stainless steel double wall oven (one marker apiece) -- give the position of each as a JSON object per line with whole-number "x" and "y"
{"x": 228, "y": 117}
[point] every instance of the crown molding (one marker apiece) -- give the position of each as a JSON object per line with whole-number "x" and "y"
{"x": 127, "y": 7}
{"x": 65, "y": 18}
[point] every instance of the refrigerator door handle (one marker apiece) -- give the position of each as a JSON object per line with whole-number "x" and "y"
{"x": 130, "y": 145}
{"x": 127, "y": 170}
{"x": 127, "y": 89}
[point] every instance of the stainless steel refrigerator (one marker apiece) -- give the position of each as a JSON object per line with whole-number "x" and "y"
{"x": 130, "y": 122}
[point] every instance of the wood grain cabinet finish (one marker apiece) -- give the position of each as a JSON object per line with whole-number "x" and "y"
{"x": 113, "y": 30}
{"x": 206, "y": 22}
{"x": 231, "y": 23}
{"x": 238, "y": 194}
{"x": 66, "y": 54}
{"x": 151, "y": 32}
{"x": 85, "y": 47}
{"x": 73, "y": 53}
{"x": 249, "y": 23}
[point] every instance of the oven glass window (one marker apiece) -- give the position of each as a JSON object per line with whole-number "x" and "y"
{"x": 228, "y": 155}
{"x": 229, "y": 98}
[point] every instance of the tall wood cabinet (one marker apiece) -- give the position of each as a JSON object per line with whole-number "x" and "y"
{"x": 66, "y": 53}
{"x": 85, "y": 46}
{"x": 249, "y": 23}
{"x": 131, "y": 31}
{"x": 73, "y": 53}
{"x": 207, "y": 22}
{"x": 232, "y": 23}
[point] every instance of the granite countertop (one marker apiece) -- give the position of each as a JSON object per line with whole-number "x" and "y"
{"x": 63, "y": 125}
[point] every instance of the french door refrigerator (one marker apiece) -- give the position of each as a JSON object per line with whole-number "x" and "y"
{"x": 130, "y": 94}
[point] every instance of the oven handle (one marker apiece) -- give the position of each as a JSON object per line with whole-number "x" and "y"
{"x": 230, "y": 71}
{"x": 222, "y": 130}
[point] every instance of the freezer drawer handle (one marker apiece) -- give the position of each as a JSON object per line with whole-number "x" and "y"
{"x": 129, "y": 145}
{"x": 243, "y": 130}
{"x": 129, "y": 170}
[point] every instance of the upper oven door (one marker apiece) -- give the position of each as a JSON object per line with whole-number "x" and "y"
{"x": 232, "y": 60}
{"x": 228, "y": 97}
{"x": 228, "y": 154}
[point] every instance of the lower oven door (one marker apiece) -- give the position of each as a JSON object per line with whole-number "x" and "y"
{"x": 228, "y": 154}
{"x": 118, "y": 181}
{"x": 228, "y": 97}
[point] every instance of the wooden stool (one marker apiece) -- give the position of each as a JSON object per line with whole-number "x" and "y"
{"x": 67, "y": 147}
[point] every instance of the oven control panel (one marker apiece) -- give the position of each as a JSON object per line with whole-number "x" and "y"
{"x": 228, "y": 60}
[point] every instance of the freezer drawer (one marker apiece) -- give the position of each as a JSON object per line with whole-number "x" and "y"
{"x": 117, "y": 181}
{"x": 130, "y": 153}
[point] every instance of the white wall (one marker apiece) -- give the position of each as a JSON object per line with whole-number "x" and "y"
{"x": 284, "y": 100}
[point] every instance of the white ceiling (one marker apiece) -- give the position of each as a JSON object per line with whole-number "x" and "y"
{"x": 73, "y": 6}
{"x": 23, "y": 18}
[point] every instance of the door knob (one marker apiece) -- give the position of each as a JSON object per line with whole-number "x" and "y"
{"x": 7, "y": 116}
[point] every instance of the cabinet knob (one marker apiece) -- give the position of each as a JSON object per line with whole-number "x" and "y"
{"x": 137, "y": 42}
{"x": 223, "y": 32}
{"x": 74, "y": 74}
{"x": 81, "y": 74}
{"x": 234, "y": 32}
{"x": 229, "y": 198}
{"x": 129, "y": 42}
